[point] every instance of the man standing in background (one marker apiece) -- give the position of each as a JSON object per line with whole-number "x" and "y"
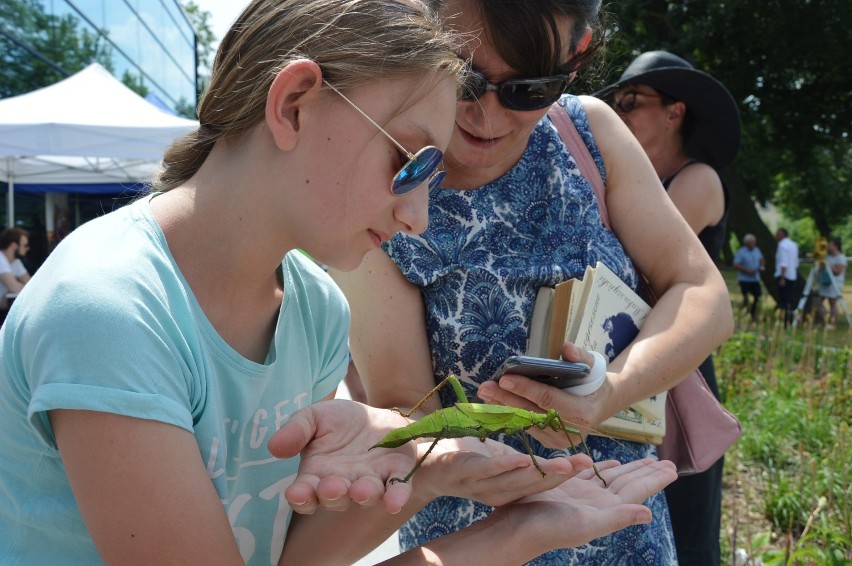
{"x": 14, "y": 244}
{"x": 786, "y": 272}
{"x": 749, "y": 263}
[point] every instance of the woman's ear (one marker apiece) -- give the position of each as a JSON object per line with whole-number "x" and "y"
{"x": 676, "y": 111}
{"x": 583, "y": 44}
{"x": 293, "y": 89}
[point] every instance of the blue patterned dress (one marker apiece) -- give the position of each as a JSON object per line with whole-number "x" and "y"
{"x": 479, "y": 266}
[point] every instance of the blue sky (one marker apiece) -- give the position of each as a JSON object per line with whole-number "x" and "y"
{"x": 223, "y": 13}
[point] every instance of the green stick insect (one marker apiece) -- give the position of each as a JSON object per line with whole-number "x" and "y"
{"x": 477, "y": 420}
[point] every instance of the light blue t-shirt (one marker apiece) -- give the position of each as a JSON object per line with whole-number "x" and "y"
{"x": 109, "y": 324}
{"x": 750, "y": 259}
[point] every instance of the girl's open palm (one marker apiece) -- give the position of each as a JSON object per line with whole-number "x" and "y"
{"x": 338, "y": 468}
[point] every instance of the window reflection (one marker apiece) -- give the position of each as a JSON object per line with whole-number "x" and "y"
{"x": 149, "y": 44}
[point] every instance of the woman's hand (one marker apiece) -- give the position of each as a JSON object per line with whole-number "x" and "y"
{"x": 582, "y": 413}
{"x": 582, "y": 509}
{"x": 489, "y": 472}
{"x": 338, "y": 468}
{"x": 577, "y": 511}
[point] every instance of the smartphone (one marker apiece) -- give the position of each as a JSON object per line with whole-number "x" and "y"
{"x": 557, "y": 373}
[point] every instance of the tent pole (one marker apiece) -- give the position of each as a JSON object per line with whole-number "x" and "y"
{"x": 10, "y": 196}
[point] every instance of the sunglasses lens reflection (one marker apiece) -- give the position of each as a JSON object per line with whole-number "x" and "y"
{"x": 418, "y": 170}
{"x": 531, "y": 95}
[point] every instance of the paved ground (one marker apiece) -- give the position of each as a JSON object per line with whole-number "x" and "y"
{"x": 390, "y": 547}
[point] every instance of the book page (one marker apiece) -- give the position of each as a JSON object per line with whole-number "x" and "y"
{"x": 630, "y": 424}
{"x": 573, "y": 322}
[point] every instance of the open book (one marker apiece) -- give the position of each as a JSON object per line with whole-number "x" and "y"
{"x": 598, "y": 312}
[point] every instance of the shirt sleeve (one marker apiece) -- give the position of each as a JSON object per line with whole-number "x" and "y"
{"x": 18, "y": 268}
{"x": 88, "y": 349}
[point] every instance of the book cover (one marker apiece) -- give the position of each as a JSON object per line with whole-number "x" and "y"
{"x": 600, "y": 313}
{"x": 610, "y": 320}
{"x": 612, "y": 314}
{"x": 565, "y": 297}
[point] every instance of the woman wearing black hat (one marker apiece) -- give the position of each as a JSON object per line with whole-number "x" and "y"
{"x": 689, "y": 125}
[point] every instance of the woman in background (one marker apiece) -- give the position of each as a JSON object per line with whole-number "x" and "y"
{"x": 689, "y": 125}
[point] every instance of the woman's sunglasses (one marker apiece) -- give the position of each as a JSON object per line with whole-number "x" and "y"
{"x": 422, "y": 167}
{"x": 627, "y": 102}
{"x": 516, "y": 94}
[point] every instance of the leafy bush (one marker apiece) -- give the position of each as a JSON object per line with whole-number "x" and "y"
{"x": 788, "y": 498}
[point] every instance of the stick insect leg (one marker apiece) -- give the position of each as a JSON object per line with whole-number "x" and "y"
{"x": 419, "y": 462}
{"x": 586, "y": 447}
{"x": 437, "y": 388}
{"x": 523, "y": 438}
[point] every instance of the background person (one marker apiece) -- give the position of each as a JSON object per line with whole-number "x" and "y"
{"x": 514, "y": 214}
{"x": 831, "y": 283}
{"x": 786, "y": 272}
{"x": 689, "y": 126}
{"x": 749, "y": 262}
{"x": 14, "y": 245}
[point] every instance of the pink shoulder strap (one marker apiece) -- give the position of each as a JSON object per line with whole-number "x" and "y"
{"x": 585, "y": 162}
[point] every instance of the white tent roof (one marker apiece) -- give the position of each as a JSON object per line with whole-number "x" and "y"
{"x": 89, "y": 114}
{"x": 65, "y": 173}
{"x": 86, "y": 133}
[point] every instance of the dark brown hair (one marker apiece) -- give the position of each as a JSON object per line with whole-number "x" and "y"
{"x": 526, "y": 35}
{"x": 11, "y": 236}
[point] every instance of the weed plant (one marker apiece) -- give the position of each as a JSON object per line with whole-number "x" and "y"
{"x": 787, "y": 495}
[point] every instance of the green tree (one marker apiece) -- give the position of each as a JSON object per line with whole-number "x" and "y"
{"x": 785, "y": 62}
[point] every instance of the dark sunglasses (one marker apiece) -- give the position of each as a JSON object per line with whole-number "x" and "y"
{"x": 422, "y": 167}
{"x": 516, "y": 94}
{"x": 627, "y": 102}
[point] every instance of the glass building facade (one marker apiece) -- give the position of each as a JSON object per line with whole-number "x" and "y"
{"x": 148, "y": 44}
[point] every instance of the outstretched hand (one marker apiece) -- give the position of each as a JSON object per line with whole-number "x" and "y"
{"x": 491, "y": 472}
{"x": 337, "y": 466}
{"x": 582, "y": 509}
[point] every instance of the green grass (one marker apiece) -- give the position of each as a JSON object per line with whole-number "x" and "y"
{"x": 787, "y": 494}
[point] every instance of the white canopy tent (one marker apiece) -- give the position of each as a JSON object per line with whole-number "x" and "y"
{"x": 86, "y": 130}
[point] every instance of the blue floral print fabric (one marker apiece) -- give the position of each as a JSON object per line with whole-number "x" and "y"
{"x": 479, "y": 267}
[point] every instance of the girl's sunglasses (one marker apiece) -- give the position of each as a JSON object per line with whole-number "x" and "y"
{"x": 516, "y": 94}
{"x": 422, "y": 167}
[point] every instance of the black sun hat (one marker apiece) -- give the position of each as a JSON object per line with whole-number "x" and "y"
{"x": 715, "y": 139}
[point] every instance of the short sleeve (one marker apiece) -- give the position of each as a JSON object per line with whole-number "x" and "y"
{"x": 104, "y": 348}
